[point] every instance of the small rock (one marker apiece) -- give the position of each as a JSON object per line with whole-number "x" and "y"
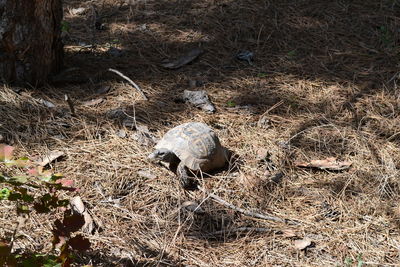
{"x": 77, "y": 11}
{"x": 199, "y": 99}
{"x": 245, "y": 56}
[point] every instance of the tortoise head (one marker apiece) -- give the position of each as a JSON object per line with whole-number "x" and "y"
{"x": 162, "y": 154}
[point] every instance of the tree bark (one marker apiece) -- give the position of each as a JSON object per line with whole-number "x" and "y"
{"x": 30, "y": 40}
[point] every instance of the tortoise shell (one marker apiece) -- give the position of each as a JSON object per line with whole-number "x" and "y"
{"x": 196, "y": 145}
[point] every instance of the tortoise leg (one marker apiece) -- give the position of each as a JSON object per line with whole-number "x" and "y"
{"x": 188, "y": 183}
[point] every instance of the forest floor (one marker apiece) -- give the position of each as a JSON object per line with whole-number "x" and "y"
{"x": 323, "y": 83}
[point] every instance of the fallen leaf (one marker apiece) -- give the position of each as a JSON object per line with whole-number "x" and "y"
{"x": 184, "y": 59}
{"x": 92, "y": 102}
{"x": 78, "y": 207}
{"x": 301, "y": 244}
{"x": 50, "y": 157}
{"x": 325, "y": 164}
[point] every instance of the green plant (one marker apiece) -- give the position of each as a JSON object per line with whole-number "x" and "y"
{"x": 386, "y": 36}
{"x": 292, "y": 54}
{"x": 33, "y": 189}
{"x": 349, "y": 261}
{"x": 231, "y": 104}
{"x": 65, "y": 27}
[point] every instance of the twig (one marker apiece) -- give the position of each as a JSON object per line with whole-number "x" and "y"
{"x": 245, "y": 212}
{"x": 241, "y": 229}
{"x": 70, "y": 104}
{"x": 131, "y": 82}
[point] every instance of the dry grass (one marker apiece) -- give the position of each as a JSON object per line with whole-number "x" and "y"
{"x": 334, "y": 66}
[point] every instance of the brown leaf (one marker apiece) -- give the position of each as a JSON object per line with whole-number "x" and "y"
{"x": 325, "y": 164}
{"x": 78, "y": 207}
{"x": 50, "y": 157}
{"x": 301, "y": 244}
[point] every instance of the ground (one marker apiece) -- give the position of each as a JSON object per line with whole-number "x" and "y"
{"x": 323, "y": 83}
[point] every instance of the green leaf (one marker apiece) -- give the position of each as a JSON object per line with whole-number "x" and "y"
{"x": 27, "y": 198}
{"x": 291, "y": 53}
{"x": 4, "y": 193}
{"x": 22, "y": 162}
{"x": 23, "y": 209}
{"x": 63, "y": 203}
{"x": 231, "y": 104}
{"x": 360, "y": 261}
{"x": 14, "y": 196}
{"x": 261, "y": 75}
{"x": 65, "y": 26}
{"x": 20, "y": 179}
{"x": 56, "y": 176}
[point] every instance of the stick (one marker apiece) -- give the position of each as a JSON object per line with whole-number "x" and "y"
{"x": 70, "y": 104}
{"x": 245, "y": 212}
{"x": 241, "y": 229}
{"x": 131, "y": 82}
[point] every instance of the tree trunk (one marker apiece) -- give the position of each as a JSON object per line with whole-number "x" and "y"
{"x": 30, "y": 40}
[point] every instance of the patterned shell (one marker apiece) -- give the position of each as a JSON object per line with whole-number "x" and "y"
{"x": 196, "y": 145}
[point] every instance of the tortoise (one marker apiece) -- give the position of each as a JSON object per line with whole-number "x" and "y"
{"x": 190, "y": 146}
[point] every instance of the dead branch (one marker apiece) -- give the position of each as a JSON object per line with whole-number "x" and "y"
{"x": 241, "y": 229}
{"x": 131, "y": 82}
{"x": 245, "y": 212}
{"x": 70, "y": 104}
